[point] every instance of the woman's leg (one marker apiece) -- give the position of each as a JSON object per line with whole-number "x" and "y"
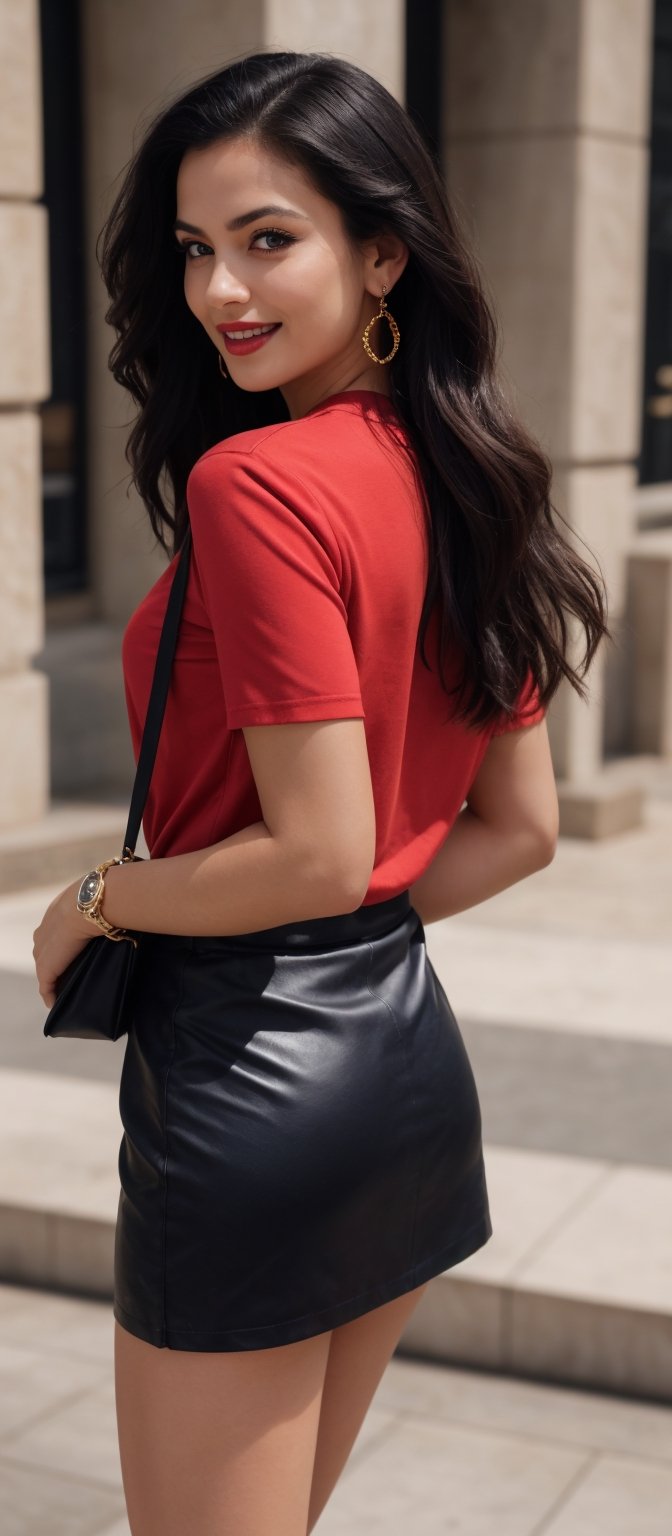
{"x": 358, "y": 1354}
{"x": 215, "y": 1443}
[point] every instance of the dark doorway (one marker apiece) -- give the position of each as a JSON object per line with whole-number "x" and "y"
{"x": 424, "y": 69}
{"x": 63, "y": 425}
{"x": 656, "y": 456}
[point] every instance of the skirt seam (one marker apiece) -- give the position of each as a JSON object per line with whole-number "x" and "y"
{"x": 379, "y": 999}
{"x": 164, "y": 1262}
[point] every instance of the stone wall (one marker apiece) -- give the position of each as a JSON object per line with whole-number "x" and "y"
{"x": 24, "y": 382}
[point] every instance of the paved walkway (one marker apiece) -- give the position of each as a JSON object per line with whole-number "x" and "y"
{"x": 440, "y": 1450}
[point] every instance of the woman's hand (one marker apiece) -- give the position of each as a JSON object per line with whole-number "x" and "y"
{"x": 60, "y": 936}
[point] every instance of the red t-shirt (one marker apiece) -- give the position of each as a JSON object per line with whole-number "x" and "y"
{"x": 308, "y": 571}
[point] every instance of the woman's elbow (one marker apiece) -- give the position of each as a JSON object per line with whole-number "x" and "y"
{"x": 544, "y": 843}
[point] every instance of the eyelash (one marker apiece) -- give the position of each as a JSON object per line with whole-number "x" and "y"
{"x": 185, "y": 245}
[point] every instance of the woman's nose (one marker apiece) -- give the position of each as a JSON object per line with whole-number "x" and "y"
{"x": 224, "y": 285}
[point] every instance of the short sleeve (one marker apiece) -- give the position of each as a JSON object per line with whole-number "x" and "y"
{"x": 528, "y": 710}
{"x": 270, "y": 570}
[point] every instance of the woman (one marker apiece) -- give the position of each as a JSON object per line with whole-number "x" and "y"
{"x": 376, "y": 619}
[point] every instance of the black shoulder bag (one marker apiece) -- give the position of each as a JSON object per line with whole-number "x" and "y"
{"x": 93, "y": 992}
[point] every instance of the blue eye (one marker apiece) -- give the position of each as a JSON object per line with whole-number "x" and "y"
{"x": 285, "y": 239}
{"x": 185, "y": 245}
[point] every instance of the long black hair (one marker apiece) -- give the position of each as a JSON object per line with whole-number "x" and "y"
{"x": 510, "y": 586}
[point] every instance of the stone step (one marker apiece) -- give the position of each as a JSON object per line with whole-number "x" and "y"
{"x": 574, "y": 1287}
{"x": 72, "y": 837}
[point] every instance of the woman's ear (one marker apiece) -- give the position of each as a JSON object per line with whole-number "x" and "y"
{"x": 384, "y": 259}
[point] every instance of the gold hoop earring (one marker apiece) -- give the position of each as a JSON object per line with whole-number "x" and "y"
{"x": 222, "y": 370}
{"x": 383, "y": 314}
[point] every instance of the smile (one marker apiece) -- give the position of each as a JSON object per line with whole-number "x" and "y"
{"x": 248, "y": 340}
{"x": 238, "y": 335}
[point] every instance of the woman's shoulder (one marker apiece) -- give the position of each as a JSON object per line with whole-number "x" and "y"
{"x": 289, "y": 459}
{"x": 300, "y": 447}
{"x": 279, "y": 439}
{"x": 273, "y": 472}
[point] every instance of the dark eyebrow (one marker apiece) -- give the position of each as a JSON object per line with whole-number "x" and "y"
{"x": 245, "y": 218}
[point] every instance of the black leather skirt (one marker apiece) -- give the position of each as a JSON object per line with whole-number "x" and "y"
{"x": 302, "y": 1131}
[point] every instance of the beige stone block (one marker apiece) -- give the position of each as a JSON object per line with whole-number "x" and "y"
{"x": 598, "y": 501}
{"x": 599, "y": 808}
{"x": 591, "y": 1303}
{"x": 539, "y": 977}
{"x": 83, "y": 1252}
{"x": 606, "y": 316}
{"x": 25, "y": 1243}
{"x": 457, "y": 1321}
{"x": 650, "y": 623}
{"x": 616, "y": 59}
{"x": 596, "y": 507}
{"x": 559, "y": 229}
{"x": 576, "y": 722}
{"x": 24, "y": 761}
{"x": 21, "y": 168}
{"x": 615, "y": 1247}
{"x": 511, "y": 67}
{"x": 59, "y": 1150}
{"x": 124, "y": 87}
{"x": 516, "y": 199}
{"x": 530, "y": 1193}
{"x": 21, "y": 552}
{"x": 536, "y": 66}
{"x": 24, "y": 293}
{"x": 370, "y": 35}
{"x": 618, "y": 686}
{"x": 605, "y": 1347}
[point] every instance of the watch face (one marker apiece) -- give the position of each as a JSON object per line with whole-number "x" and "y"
{"x": 89, "y": 887}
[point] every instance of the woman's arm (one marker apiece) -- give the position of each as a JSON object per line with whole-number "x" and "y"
{"x": 311, "y": 855}
{"x": 507, "y": 830}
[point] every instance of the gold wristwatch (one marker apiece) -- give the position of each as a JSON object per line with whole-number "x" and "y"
{"x": 90, "y": 897}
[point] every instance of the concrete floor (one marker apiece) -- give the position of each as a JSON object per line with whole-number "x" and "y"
{"x": 441, "y": 1450}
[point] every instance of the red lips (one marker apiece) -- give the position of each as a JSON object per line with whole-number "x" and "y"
{"x": 250, "y": 325}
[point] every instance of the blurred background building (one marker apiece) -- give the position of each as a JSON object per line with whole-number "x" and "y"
{"x": 552, "y": 123}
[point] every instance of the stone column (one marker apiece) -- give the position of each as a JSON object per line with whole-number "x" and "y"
{"x": 24, "y": 382}
{"x": 546, "y": 154}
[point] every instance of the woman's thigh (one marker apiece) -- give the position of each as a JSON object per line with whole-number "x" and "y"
{"x": 212, "y": 1443}
{"x": 358, "y": 1354}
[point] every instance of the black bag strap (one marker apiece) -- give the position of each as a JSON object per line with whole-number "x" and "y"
{"x": 158, "y": 695}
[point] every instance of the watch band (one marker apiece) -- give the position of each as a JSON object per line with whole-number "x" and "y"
{"x": 93, "y": 912}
